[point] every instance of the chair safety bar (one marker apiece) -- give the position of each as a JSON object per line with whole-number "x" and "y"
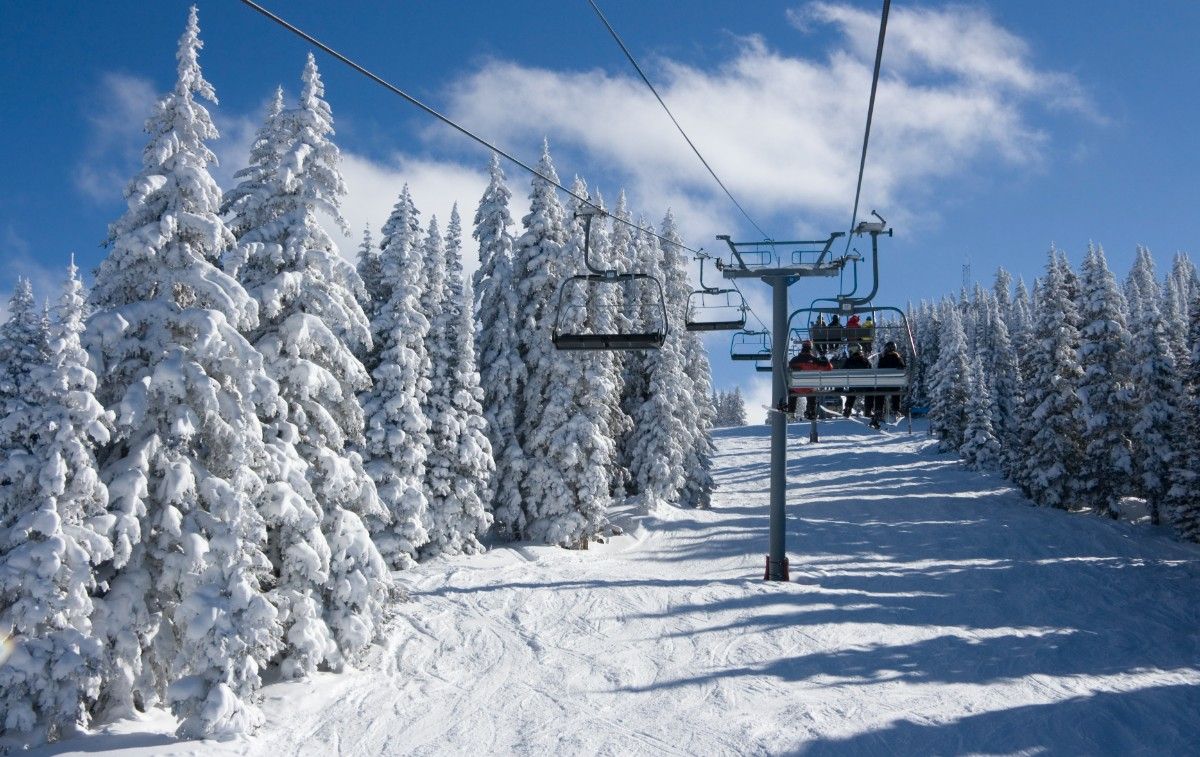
{"x": 862, "y": 381}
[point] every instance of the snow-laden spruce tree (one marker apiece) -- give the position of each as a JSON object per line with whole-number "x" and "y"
{"x": 460, "y": 465}
{"x": 980, "y": 449}
{"x": 311, "y": 328}
{"x": 1003, "y": 378}
{"x": 1156, "y": 392}
{"x": 660, "y": 440}
{"x": 1104, "y": 388}
{"x": 628, "y": 252}
{"x": 375, "y": 294}
{"x": 1184, "y": 495}
{"x": 438, "y": 404}
{"x": 397, "y": 437}
{"x": 1002, "y": 289}
{"x": 694, "y": 410}
{"x": 565, "y": 489}
{"x": 1052, "y": 431}
{"x": 1177, "y": 294}
{"x": 55, "y": 536}
{"x": 950, "y": 400}
{"x": 604, "y": 305}
{"x": 502, "y": 373}
{"x": 576, "y": 468}
{"x": 186, "y": 604}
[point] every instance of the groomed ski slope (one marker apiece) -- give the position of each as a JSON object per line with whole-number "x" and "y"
{"x": 931, "y": 611}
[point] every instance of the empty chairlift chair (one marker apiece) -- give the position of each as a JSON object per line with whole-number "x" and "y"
{"x": 751, "y": 345}
{"x": 714, "y": 309}
{"x": 571, "y": 331}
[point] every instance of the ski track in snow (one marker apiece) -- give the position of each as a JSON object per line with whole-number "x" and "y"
{"x": 931, "y": 611}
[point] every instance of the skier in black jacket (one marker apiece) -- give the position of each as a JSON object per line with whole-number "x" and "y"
{"x": 890, "y": 359}
{"x": 856, "y": 361}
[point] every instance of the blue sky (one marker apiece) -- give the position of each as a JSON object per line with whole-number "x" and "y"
{"x": 1001, "y": 126}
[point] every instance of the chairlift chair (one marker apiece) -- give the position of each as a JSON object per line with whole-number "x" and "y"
{"x": 750, "y": 345}
{"x": 711, "y": 308}
{"x": 566, "y": 338}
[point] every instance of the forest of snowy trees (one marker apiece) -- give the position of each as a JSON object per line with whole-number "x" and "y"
{"x": 730, "y": 407}
{"x": 1082, "y": 392}
{"x": 212, "y": 462}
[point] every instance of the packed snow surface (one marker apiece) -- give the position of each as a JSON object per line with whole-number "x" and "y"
{"x": 931, "y": 611}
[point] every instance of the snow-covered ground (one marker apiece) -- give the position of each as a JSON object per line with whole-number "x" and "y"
{"x": 931, "y": 611}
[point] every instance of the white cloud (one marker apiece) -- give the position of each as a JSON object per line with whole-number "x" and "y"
{"x": 783, "y": 132}
{"x": 117, "y": 112}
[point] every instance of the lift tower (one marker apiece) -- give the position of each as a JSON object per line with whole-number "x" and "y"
{"x": 807, "y": 258}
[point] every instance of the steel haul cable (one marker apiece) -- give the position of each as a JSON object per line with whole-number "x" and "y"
{"x": 658, "y": 97}
{"x": 445, "y": 119}
{"x": 862, "y": 163}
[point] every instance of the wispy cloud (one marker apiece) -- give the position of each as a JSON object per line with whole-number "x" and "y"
{"x": 117, "y": 112}
{"x": 784, "y": 131}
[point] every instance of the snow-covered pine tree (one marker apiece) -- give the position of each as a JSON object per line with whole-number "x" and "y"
{"x": 1002, "y": 289}
{"x": 950, "y": 400}
{"x": 1156, "y": 392}
{"x": 397, "y": 429}
{"x": 980, "y": 450}
{"x": 1003, "y": 377}
{"x": 694, "y": 408}
{"x": 333, "y": 584}
{"x": 737, "y": 407}
{"x": 1185, "y": 492}
{"x": 438, "y": 404}
{"x": 1177, "y": 291}
{"x": 604, "y": 306}
{"x": 54, "y": 536}
{"x": 565, "y": 491}
{"x": 1104, "y": 390}
{"x": 502, "y": 373}
{"x": 1052, "y": 431}
{"x": 461, "y": 452}
{"x": 370, "y": 270}
{"x": 659, "y": 440}
{"x": 185, "y": 604}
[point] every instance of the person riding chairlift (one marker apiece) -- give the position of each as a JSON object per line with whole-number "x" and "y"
{"x": 889, "y": 360}
{"x": 856, "y": 361}
{"x": 805, "y": 360}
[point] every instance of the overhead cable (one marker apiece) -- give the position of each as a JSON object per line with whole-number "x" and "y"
{"x": 862, "y": 162}
{"x": 448, "y": 121}
{"x": 683, "y": 133}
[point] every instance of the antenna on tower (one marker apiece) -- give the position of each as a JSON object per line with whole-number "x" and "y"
{"x": 966, "y": 273}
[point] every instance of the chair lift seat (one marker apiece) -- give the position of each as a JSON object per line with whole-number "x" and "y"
{"x": 645, "y": 341}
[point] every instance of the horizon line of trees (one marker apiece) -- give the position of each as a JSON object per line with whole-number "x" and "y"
{"x": 212, "y": 462}
{"x": 1082, "y": 392}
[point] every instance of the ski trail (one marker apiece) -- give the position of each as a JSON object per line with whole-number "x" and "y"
{"x": 931, "y": 610}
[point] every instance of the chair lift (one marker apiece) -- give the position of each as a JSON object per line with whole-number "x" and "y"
{"x": 653, "y": 335}
{"x": 750, "y": 345}
{"x": 711, "y": 308}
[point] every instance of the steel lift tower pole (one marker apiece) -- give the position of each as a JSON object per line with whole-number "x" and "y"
{"x": 810, "y": 258}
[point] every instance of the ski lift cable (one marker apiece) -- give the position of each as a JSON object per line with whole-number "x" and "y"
{"x": 862, "y": 162}
{"x": 447, "y": 120}
{"x": 682, "y": 133}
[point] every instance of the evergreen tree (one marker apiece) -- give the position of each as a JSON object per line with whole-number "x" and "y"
{"x": 694, "y": 409}
{"x": 659, "y": 434}
{"x": 502, "y": 373}
{"x": 565, "y": 489}
{"x": 1002, "y": 375}
{"x": 949, "y": 390}
{"x": 397, "y": 428}
{"x": 459, "y": 514}
{"x": 311, "y": 329}
{"x": 604, "y": 316}
{"x": 370, "y": 270}
{"x": 1052, "y": 431}
{"x": 980, "y": 450}
{"x": 1156, "y": 392}
{"x": 53, "y": 530}
{"x": 1104, "y": 391}
{"x": 1002, "y": 289}
{"x": 186, "y": 603}
{"x": 737, "y": 407}
{"x": 1185, "y": 493}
